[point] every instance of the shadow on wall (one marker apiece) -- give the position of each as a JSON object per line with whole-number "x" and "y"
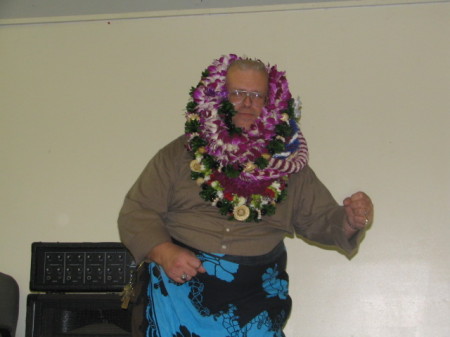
{"x": 9, "y": 305}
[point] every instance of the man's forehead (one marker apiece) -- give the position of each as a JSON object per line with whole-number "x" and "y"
{"x": 240, "y": 75}
{"x": 235, "y": 68}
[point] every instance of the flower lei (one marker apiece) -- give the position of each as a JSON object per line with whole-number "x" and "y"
{"x": 244, "y": 173}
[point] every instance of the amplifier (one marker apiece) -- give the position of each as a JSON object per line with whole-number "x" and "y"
{"x": 80, "y": 267}
{"x": 77, "y": 315}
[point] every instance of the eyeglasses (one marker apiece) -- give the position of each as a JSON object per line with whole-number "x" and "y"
{"x": 238, "y": 96}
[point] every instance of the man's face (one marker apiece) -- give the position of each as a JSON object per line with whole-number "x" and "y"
{"x": 248, "y": 108}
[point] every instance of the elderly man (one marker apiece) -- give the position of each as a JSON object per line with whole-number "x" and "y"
{"x": 211, "y": 210}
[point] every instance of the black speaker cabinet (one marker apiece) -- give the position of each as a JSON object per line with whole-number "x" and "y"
{"x": 77, "y": 315}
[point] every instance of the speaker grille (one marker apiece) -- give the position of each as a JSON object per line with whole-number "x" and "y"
{"x": 76, "y": 315}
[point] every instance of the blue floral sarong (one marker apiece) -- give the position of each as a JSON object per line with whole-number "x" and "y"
{"x": 236, "y": 297}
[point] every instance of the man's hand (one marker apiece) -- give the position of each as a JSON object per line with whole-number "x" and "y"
{"x": 180, "y": 264}
{"x": 359, "y": 212}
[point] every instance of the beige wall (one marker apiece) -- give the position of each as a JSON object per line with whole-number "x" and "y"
{"x": 84, "y": 105}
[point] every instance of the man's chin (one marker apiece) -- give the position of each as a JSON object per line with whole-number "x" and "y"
{"x": 244, "y": 122}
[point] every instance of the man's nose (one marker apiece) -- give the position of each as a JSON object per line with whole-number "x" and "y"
{"x": 247, "y": 101}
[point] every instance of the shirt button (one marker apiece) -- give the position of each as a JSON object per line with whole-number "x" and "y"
{"x": 224, "y": 246}
{"x": 227, "y": 229}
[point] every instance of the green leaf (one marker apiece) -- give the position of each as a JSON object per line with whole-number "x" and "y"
{"x": 253, "y": 216}
{"x": 209, "y": 162}
{"x": 290, "y": 109}
{"x": 283, "y": 129}
{"x": 275, "y": 146}
{"x": 225, "y": 207}
{"x": 205, "y": 73}
{"x": 261, "y": 162}
{"x": 197, "y": 142}
{"x": 191, "y": 126}
{"x": 231, "y": 171}
{"x": 268, "y": 210}
{"x": 226, "y": 112}
{"x": 190, "y": 107}
{"x": 196, "y": 175}
{"x": 208, "y": 193}
{"x": 282, "y": 196}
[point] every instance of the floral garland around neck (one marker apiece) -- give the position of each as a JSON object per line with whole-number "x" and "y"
{"x": 243, "y": 173}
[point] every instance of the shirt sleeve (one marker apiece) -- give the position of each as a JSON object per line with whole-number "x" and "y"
{"x": 319, "y": 219}
{"x": 141, "y": 218}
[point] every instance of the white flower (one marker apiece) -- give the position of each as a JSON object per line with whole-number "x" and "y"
{"x": 249, "y": 167}
{"x": 276, "y": 185}
{"x": 195, "y": 166}
{"x": 241, "y": 213}
{"x": 284, "y": 117}
{"x": 297, "y": 108}
{"x": 241, "y": 201}
{"x": 193, "y": 117}
{"x": 194, "y": 134}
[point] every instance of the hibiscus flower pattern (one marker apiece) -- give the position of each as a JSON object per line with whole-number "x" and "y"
{"x": 222, "y": 269}
{"x": 184, "y": 332}
{"x": 273, "y": 285}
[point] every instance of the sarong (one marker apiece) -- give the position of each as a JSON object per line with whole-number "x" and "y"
{"x": 236, "y": 297}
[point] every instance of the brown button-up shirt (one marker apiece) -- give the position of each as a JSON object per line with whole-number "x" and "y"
{"x": 164, "y": 203}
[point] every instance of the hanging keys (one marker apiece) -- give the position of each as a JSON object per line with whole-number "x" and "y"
{"x": 126, "y": 295}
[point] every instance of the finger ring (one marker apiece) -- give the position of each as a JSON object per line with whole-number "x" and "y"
{"x": 184, "y": 277}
